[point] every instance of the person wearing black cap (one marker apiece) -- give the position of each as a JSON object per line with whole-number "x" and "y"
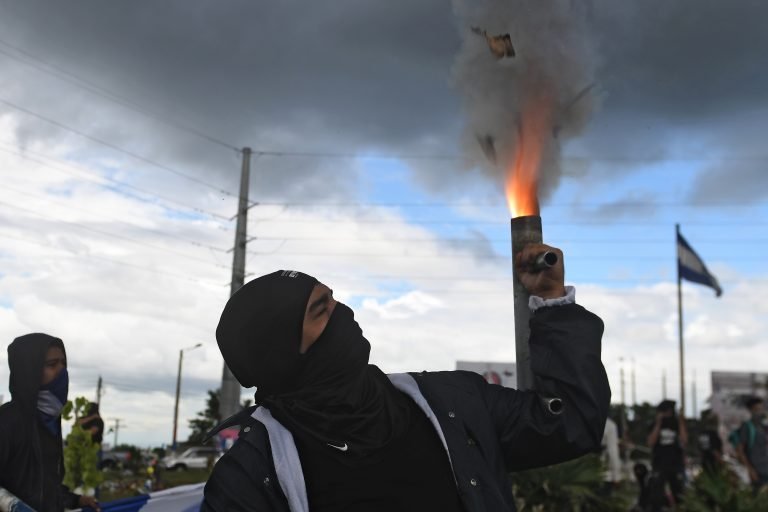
{"x": 667, "y": 439}
{"x": 710, "y": 443}
{"x": 331, "y": 432}
{"x": 31, "y": 458}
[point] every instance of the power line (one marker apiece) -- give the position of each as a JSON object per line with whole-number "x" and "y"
{"x": 113, "y": 261}
{"x": 616, "y": 258}
{"x": 438, "y": 239}
{"x": 67, "y": 76}
{"x": 461, "y": 158}
{"x": 506, "y": 222}
{"x": 118, "y": 148}
{"x": 113, "y": 235}
{"x": 78, "y": 171}
{"x": 500, "y": 204}
{"x": 135, "y": 226}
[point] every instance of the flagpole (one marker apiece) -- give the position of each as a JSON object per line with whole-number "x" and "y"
{"x": 680, "y": 324}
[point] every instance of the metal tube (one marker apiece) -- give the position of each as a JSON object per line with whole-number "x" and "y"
{"x": 525, "y": 230}
{"x": 545, "y": 260}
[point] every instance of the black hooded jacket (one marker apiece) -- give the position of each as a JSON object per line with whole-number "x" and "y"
{"x": 31, "y": 457}
{"x": 488, "y": 430}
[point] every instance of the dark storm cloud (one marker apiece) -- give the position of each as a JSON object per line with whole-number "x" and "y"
{"x": 677, "y": 74}
{"x": 357, "y": 76}
{"x": 742, "y": 181}
{"x": 298, "y": 76}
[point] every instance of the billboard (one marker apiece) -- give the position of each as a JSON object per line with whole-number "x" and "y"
{"x": 504, "y": 374}
{"x": 729, "y": 390}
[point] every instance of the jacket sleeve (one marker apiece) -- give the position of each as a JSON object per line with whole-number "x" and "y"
{"x": 69, "y": 499}
{"x": 565, "y": 360}
{"x": 244, "y": 480}
{"x": 4, "y": 451}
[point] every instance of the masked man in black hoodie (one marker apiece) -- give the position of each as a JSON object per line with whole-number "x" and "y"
{"x": 330, "y": 432}
{"x": 31, "y": 458}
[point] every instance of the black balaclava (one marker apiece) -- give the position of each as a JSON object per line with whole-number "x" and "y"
{"x": 330, "y": 395}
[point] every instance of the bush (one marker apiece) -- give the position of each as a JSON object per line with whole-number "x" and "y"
{"x": 569, "y": 487}
{"x": 722, "y": 492}
{"x": 81, "y": 454}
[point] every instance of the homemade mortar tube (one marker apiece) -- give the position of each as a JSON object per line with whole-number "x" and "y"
{"x": 525, "y": 230}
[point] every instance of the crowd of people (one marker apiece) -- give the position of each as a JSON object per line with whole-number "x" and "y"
{"x": 738, "y": 456}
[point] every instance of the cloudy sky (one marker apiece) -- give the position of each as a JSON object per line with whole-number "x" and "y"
{"x": 120, "y": 125}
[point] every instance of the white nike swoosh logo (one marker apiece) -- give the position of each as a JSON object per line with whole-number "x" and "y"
{"x": 340, "y": 448}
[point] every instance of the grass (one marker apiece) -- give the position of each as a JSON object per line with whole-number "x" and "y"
{"x": 118, "y": 485}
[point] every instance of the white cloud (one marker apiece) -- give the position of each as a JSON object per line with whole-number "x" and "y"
{"x": 412, "y": 304}
{"x": 125, "y": 305}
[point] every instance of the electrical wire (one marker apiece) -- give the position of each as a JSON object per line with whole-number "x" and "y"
{"x": 119, "y": 221}
{"x": 85, "y": 174}
{"x": 114, "y": 235}
{"x": 69, "y": 77}
{"x": 115, "y": 147}
{"x": 437, "y": 239}
{"x": 479, "y": 257}
{"x": 745, "y": 223}
{"x": 113, "y": 261}
{"x": 497, "y": 205}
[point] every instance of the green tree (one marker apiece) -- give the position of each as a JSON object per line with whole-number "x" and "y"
{"x": 205, "y": 419}
{"x": 208, "y": 417}
{"x": 81, "y": 454}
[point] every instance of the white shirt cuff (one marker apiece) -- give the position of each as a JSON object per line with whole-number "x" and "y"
{"x": 535, "y": 302}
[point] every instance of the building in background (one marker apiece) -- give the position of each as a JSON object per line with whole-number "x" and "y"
{"x": 504, "y": 374}
{"x": 729, "y": 391}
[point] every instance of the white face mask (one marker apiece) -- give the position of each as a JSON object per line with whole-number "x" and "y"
{"x": 47, "y": 403}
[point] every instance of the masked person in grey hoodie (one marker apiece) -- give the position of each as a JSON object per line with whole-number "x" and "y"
{"x": 331, "y": 432}
{"x": 31, "y": 455}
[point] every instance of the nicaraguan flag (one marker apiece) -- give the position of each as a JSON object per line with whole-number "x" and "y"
{"x": 692, "y": 268}
{"x": 186, "y": 498}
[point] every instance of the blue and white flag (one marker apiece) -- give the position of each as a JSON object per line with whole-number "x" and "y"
{"x": 691, "y": 268}
{"x": 185, "y": 498}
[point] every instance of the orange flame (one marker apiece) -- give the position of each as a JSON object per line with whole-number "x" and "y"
{"x": 534, "y": 129}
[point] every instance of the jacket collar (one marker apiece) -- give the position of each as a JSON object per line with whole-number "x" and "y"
{"x": 290, "y": 475}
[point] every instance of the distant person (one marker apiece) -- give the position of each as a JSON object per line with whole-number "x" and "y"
{"x": 611, "y": 456}
{"x": 31, "y": 455}
{"x": 710, "y": 443}
{"x": 752, "y": 449}
{"x": 667, "y": 440}
{"x": 331, "y": 432}
{"x": 93, "y": 424}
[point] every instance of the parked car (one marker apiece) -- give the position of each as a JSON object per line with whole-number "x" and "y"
{"x": 114, "y": 459}
{"x": 195, "y": 458}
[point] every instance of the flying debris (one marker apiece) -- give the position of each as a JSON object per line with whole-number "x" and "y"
{"x": 500, "y": 46}
{"x": 488, "y": 145}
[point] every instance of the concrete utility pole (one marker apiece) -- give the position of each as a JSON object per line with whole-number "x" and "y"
{"x": 229, "y": 395}
{"x": 693, "y": 396}
{"x": 634, "y": 384}
{"x": 664, "y": 384}
{"x": 98, "y": 391}
{"x": 178, "y": 392}
{"x": 115, "y": 430}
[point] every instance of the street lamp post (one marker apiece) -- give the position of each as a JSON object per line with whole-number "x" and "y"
{"x": 178, "y": 392}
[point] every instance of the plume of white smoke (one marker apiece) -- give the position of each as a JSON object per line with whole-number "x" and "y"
{"x": 554, "y": 52}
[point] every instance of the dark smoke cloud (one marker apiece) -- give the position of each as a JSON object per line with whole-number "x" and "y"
{"x": 366, "y": 76}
